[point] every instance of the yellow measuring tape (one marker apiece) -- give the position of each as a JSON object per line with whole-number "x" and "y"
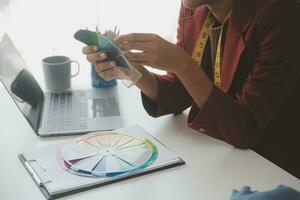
{"x": 201, "y": 43}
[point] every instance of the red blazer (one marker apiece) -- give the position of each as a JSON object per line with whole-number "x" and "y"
{"x": 257, "y": 104}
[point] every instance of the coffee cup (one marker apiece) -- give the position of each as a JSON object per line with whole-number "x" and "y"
{"x": 57, "y": 73}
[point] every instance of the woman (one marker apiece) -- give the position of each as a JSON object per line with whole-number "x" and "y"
{"x": 236, "y": 63}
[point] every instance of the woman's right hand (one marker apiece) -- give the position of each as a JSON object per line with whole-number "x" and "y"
{"x": 108, "y": 70}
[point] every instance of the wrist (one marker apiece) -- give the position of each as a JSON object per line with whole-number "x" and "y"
{"x": 196, "y": 82}
{"x": 147, "y": 83}
{"x": 184, "y": 68}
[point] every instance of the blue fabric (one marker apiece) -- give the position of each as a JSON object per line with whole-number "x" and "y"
{"x": 280, "y": 193}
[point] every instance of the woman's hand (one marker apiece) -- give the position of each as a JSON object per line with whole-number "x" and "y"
{"x": 154, "y": 51}
{"x": 159, "y": 53}
{"x": 108, "y": 70}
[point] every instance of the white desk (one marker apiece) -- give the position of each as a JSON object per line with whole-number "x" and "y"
{"x": 212, "y": 168}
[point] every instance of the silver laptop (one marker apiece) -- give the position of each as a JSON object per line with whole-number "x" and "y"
{"x": 73, "y": 112}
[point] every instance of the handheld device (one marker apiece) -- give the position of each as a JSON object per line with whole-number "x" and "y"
{"x": 87, "y": 37}
{"x": 105, "y": 43}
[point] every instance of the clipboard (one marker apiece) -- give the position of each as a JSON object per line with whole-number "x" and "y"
{"x": 55, "y": 182}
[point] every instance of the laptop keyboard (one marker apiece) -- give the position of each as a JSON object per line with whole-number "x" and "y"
{"x": 65, "y": 112}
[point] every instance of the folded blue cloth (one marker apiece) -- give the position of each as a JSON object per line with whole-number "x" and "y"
{"x": 280, "y": 193}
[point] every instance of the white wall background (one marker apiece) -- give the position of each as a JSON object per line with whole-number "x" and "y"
{"x": 43, "y": 27}
{"x": 35, "y": 22}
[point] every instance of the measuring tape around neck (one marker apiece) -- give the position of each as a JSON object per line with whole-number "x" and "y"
{"x": 201, "y": 43}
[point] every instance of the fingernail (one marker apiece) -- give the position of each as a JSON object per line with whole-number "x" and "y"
{"x": 112, "y": 63}
{"x": 103, "y": 55}
{"x": 95, "y": 48}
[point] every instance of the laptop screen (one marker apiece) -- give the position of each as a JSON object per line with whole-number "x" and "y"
{"x": 20, "y": 83}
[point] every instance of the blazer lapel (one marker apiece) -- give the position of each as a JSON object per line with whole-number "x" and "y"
{"x": 191, "y": 27}
{"x": 234, "y": 46}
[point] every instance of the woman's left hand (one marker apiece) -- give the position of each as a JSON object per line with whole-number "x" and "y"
{"x": 153, "y": 51}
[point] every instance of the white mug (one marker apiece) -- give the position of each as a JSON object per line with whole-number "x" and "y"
{"x": 57, "y": 73}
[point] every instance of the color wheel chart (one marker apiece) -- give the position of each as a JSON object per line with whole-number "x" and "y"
{"x": 106, "y": 154}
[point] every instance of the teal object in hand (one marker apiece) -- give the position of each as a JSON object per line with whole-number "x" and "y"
{"x": 98, "y": 82}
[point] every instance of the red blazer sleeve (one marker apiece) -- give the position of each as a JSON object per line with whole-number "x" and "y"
{"x": 242, "y": 119}
{"x": 172, "y": 96}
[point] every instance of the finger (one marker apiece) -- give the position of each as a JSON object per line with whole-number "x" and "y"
{"x": 109, "y": 74}
{"x": 103, "y": 66}
{"x": 95, "y": 57}
{"x": 141, "y": 46}
{"x": 135, "y": 37}
{"x": 124, "y": 73}
{"x": 141, "y": 63}
{"x": 142, "y": 56}
{"x": 147, "y": 63}
{"x": 90, "y": 49}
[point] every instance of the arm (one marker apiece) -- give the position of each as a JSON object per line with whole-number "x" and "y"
{"x": 148, "y": 83}
{"x": 161, "y": 94}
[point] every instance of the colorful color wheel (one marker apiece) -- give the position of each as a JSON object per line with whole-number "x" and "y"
{"x": 107, "y": 154}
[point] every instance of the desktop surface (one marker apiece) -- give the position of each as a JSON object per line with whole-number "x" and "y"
{"x": 213, "y": 168}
